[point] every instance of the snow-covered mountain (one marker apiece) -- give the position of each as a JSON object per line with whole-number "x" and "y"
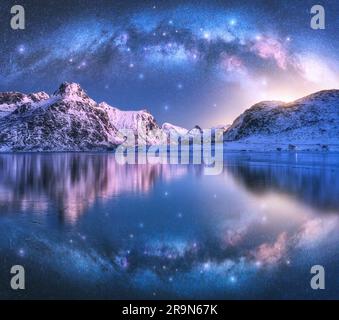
{"x": 313, "y": 119}
{"x": 69, "y": 120}
{"x": 169, "y": 128}
{"x": 10, "y": 101}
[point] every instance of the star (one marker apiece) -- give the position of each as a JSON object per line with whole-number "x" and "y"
{"x": 206, "y": 265}
{"x": 258, "y": 263}
{"x": 179, "y": 86}
{"x": 141, "y": 76}
{"x": 207, "y": 35}
{"x": 21, "y": 252}
{"x": 82, "y": 65}
{"x": 233, "y": 22}
{"x": 166, "y": 107}
{"x": 21, "y": 49}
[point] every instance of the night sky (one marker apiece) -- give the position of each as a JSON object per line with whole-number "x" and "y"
{"x": 187, "y": 62}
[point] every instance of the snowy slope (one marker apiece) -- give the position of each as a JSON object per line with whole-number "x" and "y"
{"x": 313, "y": 119}
{"x": 10, "y": 101}
{"x": 68, "y": 120}
{"x": 169, "y": 128}
{"x": 141, "y": 123}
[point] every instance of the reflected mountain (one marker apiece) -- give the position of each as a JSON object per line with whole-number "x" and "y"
{"x": 310, "y": 179}
{"x": 72, "y": 182}
{"x": 168, "y": 231}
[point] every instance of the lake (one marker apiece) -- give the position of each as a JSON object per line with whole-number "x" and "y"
{"x": 84, "y": 226}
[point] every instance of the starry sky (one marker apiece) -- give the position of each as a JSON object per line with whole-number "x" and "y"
{"x": 187, "y": 62}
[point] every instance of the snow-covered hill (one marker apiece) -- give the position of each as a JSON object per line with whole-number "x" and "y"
{"x": 169, "y": 128}
{"x": 310, "y": 121}
{"x": 68, "y": 120}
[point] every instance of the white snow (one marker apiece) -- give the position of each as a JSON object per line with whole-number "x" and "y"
{"x": 308, "y": 123}
{"x": 69, "y": 120}
{"x": 170, "y": 128}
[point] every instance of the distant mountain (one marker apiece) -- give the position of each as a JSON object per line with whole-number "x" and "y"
{"x": 172, "y": 129}
{"x": 313, "y": 119}
{"x": 69, "y": 120}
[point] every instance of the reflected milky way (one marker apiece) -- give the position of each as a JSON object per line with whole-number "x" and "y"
{"x": 116, "y": 231}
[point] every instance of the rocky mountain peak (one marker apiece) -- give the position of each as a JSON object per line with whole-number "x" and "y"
{"x": 71, "y": 90}
{"x": 314, "y": 118}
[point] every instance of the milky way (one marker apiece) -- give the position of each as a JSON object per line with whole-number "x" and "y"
{"x": 188, "y": 63}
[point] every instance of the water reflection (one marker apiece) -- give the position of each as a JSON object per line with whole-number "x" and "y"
{"x": 169, "y": 231}
{"x": 72, "y": 182}
{"x": 310, "y": 178}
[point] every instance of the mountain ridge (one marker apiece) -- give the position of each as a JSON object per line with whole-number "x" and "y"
{"x": 310, "y": 119}
{"x": 69, "y": 120}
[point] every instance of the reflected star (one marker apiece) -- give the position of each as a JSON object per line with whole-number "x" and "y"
{"x": 21, "y": 49}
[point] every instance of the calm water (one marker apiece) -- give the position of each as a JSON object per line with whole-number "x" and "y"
{"x": 85, "y": 227}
